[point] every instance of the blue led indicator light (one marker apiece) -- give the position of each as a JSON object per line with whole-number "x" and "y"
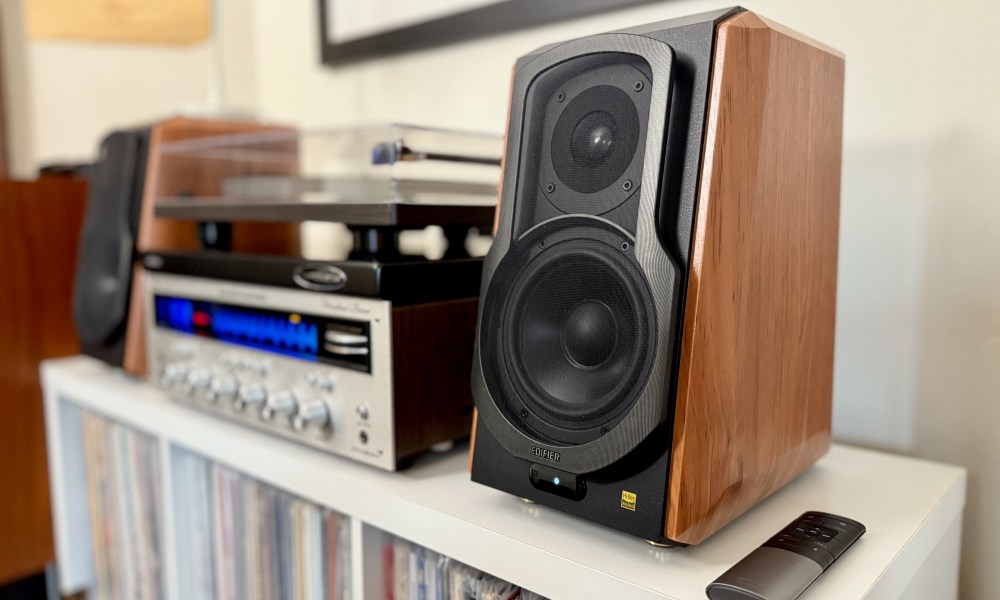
{"x": 556, "y": 481}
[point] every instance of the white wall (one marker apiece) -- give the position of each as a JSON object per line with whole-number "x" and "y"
{"x": 64, "y": 96}
{"x": 80, "y": 90}
{"x": 918, "y": 332}
{"x": 16, "y": 100}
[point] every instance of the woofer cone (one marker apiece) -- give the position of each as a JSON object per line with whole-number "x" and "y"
{"x": 569, "y": 329}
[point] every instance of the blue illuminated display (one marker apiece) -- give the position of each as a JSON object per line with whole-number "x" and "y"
{"x": 264, "y": 330}
{"x": 179, "y": 313}
{"x": 283, "y": 333}
{"x": 286, "y": 333}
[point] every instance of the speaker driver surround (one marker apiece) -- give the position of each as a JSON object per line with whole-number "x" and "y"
{"x": 579, "y": 336}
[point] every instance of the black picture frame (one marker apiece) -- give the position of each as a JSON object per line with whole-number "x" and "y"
{"x": 504, "y": 16}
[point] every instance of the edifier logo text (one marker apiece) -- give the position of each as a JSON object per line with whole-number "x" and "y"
{"x": 545, "y": 453}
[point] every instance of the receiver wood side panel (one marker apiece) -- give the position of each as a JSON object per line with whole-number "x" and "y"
{"x": 755, "y": 383}
{"x": 432, "y": 363}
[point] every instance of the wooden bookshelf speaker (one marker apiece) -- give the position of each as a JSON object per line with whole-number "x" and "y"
{"x": 655, "y": 341}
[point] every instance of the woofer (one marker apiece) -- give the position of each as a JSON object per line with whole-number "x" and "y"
{"x": 569, "y": 328}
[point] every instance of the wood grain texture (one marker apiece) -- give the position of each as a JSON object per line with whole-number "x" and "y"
{"x": 432, "y": 368}
{"x": 178, "y": 176}
{"x": 756, "y": 371}
{"x": 136, "y": 21}
{"x": 39, "y": 232}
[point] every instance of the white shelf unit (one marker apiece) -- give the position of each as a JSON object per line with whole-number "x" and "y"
{"x": 912, "y": 509}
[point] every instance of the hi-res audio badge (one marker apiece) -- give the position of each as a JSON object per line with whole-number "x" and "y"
{"x": 628, "y": 500}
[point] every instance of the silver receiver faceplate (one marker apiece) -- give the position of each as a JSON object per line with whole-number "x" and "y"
{"x": 338, "y": 409}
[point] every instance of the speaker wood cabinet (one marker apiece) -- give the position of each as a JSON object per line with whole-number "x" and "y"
{"x": 39, "y": 233}
{"x": 756, "y": 373}
{"x": 655, "y": 341}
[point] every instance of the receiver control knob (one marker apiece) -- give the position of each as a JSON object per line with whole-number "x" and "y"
{"x": 250, "y": 396}
{"x": 315, "y": 414}
{"x": 224, "y": 388}
{"x": 199, "y": 380}
{"x": 173, "y": 374}
{"x": 279, "y": 403}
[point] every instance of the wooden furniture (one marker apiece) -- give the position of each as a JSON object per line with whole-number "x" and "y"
{"x": 424, "y": 400}
{"x": 911, "y": 508}
{"x": 39, "y": 232}
{"x": 755, "y": 383}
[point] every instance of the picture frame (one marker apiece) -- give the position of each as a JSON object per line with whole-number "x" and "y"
{"x": 357, "y": 30}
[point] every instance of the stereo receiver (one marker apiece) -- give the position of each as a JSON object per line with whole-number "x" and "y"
{"x": 358, "y": 358}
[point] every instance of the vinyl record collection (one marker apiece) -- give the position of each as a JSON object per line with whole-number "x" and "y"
{"x": 412, "y": 572}
{"x": 242, "y": 539}
{"x": 124, "y": 500}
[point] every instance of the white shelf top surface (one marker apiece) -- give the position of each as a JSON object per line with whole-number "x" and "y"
{"x": 906, "y": 504}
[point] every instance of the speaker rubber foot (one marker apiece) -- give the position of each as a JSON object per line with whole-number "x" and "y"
{"x": 444, "y": 446}
{"x": 660, "y": 544}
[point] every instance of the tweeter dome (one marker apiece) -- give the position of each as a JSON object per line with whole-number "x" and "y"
{"x": 655, "y": 341}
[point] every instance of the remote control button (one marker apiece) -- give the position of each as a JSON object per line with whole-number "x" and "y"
{"x": 837, "y": 526}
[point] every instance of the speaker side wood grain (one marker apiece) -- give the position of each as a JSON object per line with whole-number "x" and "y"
{"x": 756, "y": 369}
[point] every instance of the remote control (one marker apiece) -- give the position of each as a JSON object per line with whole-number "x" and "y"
{"x": 785, "y": 565}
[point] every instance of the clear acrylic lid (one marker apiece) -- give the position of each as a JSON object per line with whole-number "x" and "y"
{"x": 357, "y": 176}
